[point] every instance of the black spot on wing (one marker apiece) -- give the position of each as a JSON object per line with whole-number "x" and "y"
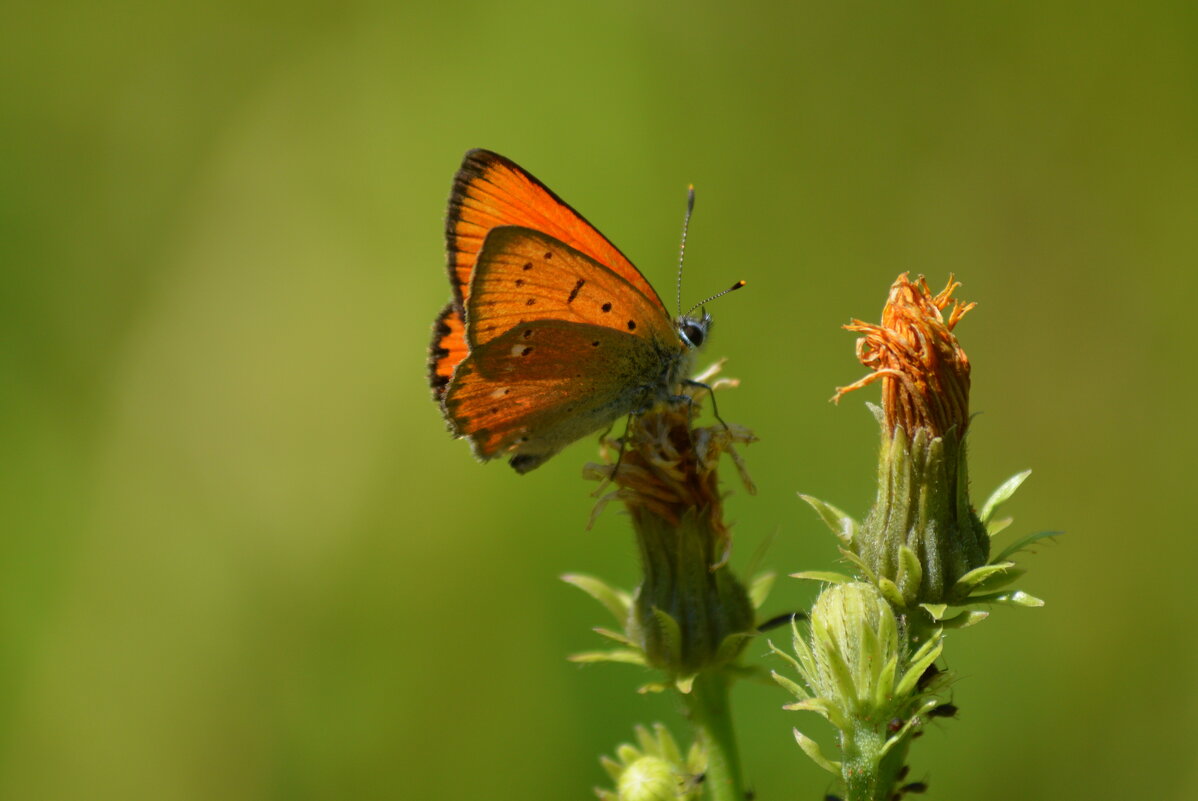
{"x": 574, "y": 292}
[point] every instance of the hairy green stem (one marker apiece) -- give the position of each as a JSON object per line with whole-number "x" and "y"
{"x": 712, "y": 721}
{"x": 868, "y": 774}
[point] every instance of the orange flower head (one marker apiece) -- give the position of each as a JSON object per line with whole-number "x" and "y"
{"x": 923, "y": 369}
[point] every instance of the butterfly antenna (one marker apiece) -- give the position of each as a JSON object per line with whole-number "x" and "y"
{"x": 732, "y": 288}
{"x": 690, "y": 208}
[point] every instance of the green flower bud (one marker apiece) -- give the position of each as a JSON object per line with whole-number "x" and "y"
{"x": 654, "y": 771}
{"x": 857, "y": 674}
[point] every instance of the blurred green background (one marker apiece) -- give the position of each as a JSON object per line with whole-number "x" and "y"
{"x": 241, "y": 558}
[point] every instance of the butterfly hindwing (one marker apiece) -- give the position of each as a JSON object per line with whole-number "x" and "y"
{"x": 525, "y": 275}
{"x": 490, "y": 191}
{"x": 541, "y": 385}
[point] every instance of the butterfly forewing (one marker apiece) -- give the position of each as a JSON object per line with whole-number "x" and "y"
{"x": 490, "y": 191}
{"x": 448, "y": 348}
{"x": 525, "y": 275}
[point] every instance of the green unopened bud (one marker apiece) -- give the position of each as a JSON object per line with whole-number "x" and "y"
{"x": 856, "y": 674}
{"x": 654, "y": 769}
{"x": 648, "y": 779}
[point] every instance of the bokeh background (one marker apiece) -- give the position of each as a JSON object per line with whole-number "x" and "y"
{"x": 241, "y": 558}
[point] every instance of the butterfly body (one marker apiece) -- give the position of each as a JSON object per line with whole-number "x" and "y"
{"x": 552, "y": 333}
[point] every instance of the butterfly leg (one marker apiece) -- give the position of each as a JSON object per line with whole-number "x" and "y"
{"x": 623, "y": 440}
{"x": 711, "y": 393}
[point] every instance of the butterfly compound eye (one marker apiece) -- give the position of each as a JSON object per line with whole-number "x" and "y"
{"x": 693, "y": 332}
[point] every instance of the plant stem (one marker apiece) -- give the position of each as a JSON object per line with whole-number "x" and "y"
{"x": 708, "y": 705}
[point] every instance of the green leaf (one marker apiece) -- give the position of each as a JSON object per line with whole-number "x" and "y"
{"x": 645, "y": 740}
{"x": 974, "y": 577}
{"x": 935, "y": 610}
{"x": 653, "y": 687}
{"x": 1002, "y": 494}
{"x": 793, "y": 662}
{"x": 671, "y": 634}
{"x": 964, "y": 620}
{"x": 793, "y": 687}
{"x": 826, "y": 576}
{"x": 627, "y": 657}
{"x": 666, "y": 745}
{"x": 1016, "y": 598}
{"x": 613, "y": 768}
{"x": 843, "y": 526}
{"x": 685, "y": 683}
{"x": 819, "y": 706}
{"x": 730, "y": 646}
{"x": 891, "y": 593}
{"x": 996, "y": 527}
{"x": 623, "y": 639}
{"x": 928, "y": 653}
{"x": 760, "y": 588}
{"x": 627, "y": 753}
{"x": 859, "y": 563}
{"x": 1024, "y": 542}
{"x": 884, "y": 686}
{"x": 910, "y": 574}
{"x": 811, "y": 748}
{"x": 617, "y": 602}
{"x": 999, "y": 580}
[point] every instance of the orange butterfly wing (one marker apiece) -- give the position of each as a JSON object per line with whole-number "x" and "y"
{"x": 490, "y": 191}
{"x": 544, "y": 384}
{"x": 448, "y": 348}
{"x": 524, "y": 274}
{"x": 559, "y": 346}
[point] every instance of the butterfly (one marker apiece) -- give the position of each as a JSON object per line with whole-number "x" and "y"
{"x": 552, "y": 333}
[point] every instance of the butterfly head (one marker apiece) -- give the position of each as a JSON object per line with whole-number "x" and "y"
{"x": 693, "y": 331}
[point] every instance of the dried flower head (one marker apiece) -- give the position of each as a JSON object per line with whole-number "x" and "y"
{"x": 690, "y": 612}
{"x": 924, "y": 371}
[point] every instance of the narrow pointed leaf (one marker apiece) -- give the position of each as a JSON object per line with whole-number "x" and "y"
{"x": 841, "y": 524}
{"x": 793, "y": 687}
{"x": 974, "y": 577}
{"x": 731, "y": 646}
{"x": 910, "y": 573}
{"x": 1024, "y": 542}
{"x": 760, "y": 588}
{"x": 819, "y": 706}
{"x": 996, "y": 527}
{"x": 826, "y": 576}
{"x": 1015, "y": 598}
{"x": 891, "y": 593}
{"x": 793, "y": 662}
{"x": 671, "y": 634}
{"x": 811, "y": 748}
{"x": 624, "y": 656}
{"x": 965, "y": 619}
{"x": 1002, "y": 494}
{"x": 617, "y": 602}
{"x": 623, "y": 639}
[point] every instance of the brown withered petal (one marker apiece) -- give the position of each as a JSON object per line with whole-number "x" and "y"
{"x": 668, "y": 468}
{"x": 924, "y": 371}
